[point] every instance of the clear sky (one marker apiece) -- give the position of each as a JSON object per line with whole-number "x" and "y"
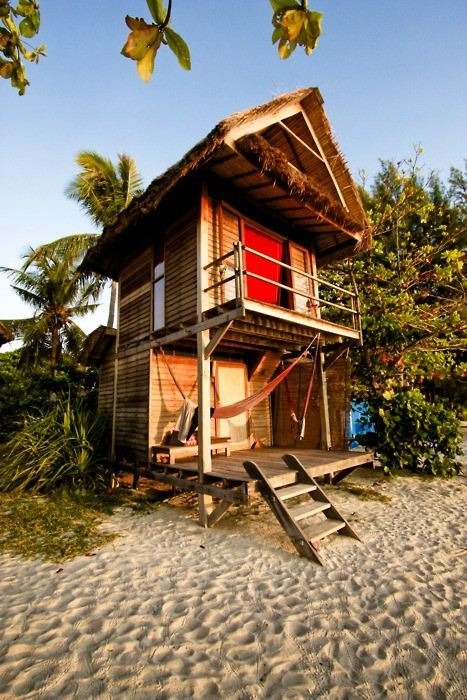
{"x": 393, "y": 75}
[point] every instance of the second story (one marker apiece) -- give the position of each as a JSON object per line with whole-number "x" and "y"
{"x": 239, "y": 233}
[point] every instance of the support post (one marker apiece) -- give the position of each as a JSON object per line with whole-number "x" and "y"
{"x": 113, "y": 437}
{"x": 204, "y": 423}
{"x": 204, "y": 363}
{"x": 324, "y": 407}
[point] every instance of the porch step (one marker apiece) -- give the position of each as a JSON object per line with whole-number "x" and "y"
{"x": 308, "y": 509}
{"x": 323, "y": 529}
{"x": 285, "y": 492}
{"x": 308, "y": 521}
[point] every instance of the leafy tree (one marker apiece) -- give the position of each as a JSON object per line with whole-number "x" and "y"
{"x": 413, "y": 295}
{"x": 50, "y": 282}
{"x": 18, "y": 23}
{"x": 24, "y": 390}
{"x": 103, "y": 190}
{"x": 294, "y": 25}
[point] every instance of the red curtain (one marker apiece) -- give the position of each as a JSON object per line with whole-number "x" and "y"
{"x": 260, "y": 290}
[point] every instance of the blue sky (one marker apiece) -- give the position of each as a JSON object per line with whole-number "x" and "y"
{"x": 392, "y": 74}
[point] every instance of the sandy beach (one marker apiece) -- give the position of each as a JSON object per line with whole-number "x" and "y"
{"x": 169, "y": 610}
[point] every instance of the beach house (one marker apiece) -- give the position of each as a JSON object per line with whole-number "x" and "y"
{"x": 232, "y": 333}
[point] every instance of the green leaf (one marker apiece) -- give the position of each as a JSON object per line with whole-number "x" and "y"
{"x": 27, "y": 27}
{"x": 278, "y": 5}
{"x": 157, "y": 10}
{"x": 146, "y": 64}
{"x": 142, "y": 45}
{"x": 292, "y": 23}
{"x": 179, "y": 47}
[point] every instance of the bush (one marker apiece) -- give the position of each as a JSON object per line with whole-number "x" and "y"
{"x": 408, "y": 432}
{"x": 26, "y": 391}
{"x": 62, "y": 447}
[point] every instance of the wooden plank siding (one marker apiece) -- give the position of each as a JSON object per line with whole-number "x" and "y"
{"x": 165, "y": 399}
{"x": 135, "y": 311}
{"x": 285, "y": 431}
{"x": 131, "y": 437}
{"x": 135, "y": 314}
{"x": 261, "y": 416}
{"x": 106, "y": 386}
{"x": 181, "y": 273}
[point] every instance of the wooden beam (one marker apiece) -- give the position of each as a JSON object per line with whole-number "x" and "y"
{"x": 326, "y": 162}
{"x": 260, "y": 123}
{"x": 219, "y": 511}
{"x": 216, "y": 339}
{"x": 304, "y": 144}
{"x": 195, "y": 328}
{"x": 203, "y": 362}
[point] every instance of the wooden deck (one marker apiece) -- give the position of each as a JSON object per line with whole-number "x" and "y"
{"x": 229, "y": 480}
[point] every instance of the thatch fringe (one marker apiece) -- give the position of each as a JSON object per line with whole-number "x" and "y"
{"x": 272, "y": 162}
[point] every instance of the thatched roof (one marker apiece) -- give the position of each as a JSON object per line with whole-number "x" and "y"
{"x": 97, "y": 345}
{"x": 280, "y": 155}
{"x": 5, "y": 334}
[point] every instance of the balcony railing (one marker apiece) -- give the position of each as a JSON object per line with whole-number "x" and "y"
{"x": 308, "y": 295}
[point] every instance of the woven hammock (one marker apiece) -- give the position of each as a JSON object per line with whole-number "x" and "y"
{"x": 235, "y": 409}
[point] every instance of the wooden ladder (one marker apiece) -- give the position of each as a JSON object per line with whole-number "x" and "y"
{"x": 302, "y": 508}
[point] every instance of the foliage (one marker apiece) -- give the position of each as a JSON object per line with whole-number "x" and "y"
{"x": 64, "y": 524}
{"x": 26, "y": 390}
{"x": 60, "y": 447}
{"x": 51, "y": 283}
{"x": 18, "y": 22}
{"x": 54, "y": 527}
{"x": 408, "y": 432}
{"x": 145, "y": 39}
{"x": 413, "y": 294}
{"x": 103, "y": 189}
{"x": 295, "y": 25}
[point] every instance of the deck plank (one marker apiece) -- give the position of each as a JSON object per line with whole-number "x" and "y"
{"x": 316, "y": 462}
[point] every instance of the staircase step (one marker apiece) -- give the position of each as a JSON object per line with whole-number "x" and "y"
{"x": 306, "y": 510}
{"x": 286, "y": 492}
{"x": 319, "y": 530}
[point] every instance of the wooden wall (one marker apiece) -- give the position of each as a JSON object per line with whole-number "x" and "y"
{"x": 261, "y": 414}
{"x": 131, "y": 437}
{"x": 165, "y": 399}
{"x": 106, "y": 386}
{"x": 338, "y": 401}
{"x": 135, "y": 319}
{"x": 135, "y": 307}
{"x": 181, "y": 274}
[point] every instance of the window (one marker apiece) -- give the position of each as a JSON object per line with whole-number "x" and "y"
{"x": 158, "y": 288}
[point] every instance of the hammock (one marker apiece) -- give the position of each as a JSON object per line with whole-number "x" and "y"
{"x": 300, "y": 423}
{"x": 249, "y": 402}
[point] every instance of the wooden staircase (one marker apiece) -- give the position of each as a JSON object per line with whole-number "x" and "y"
{"x": 302, "y": 508}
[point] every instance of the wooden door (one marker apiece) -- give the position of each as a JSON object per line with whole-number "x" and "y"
{"x": 300, "y": 261}
{"x": 230, "y": 387}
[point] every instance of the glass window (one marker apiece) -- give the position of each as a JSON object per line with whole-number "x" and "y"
{"x": 158, "y": 289}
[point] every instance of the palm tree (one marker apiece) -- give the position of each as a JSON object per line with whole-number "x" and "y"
{"x": 103, "y": 190}
{"x": 50, "y": 282}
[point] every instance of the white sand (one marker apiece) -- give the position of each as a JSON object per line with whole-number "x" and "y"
{"x": 170, "y": 610}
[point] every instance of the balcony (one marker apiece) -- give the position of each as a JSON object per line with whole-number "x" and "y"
{"x": 267, "y": 298}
